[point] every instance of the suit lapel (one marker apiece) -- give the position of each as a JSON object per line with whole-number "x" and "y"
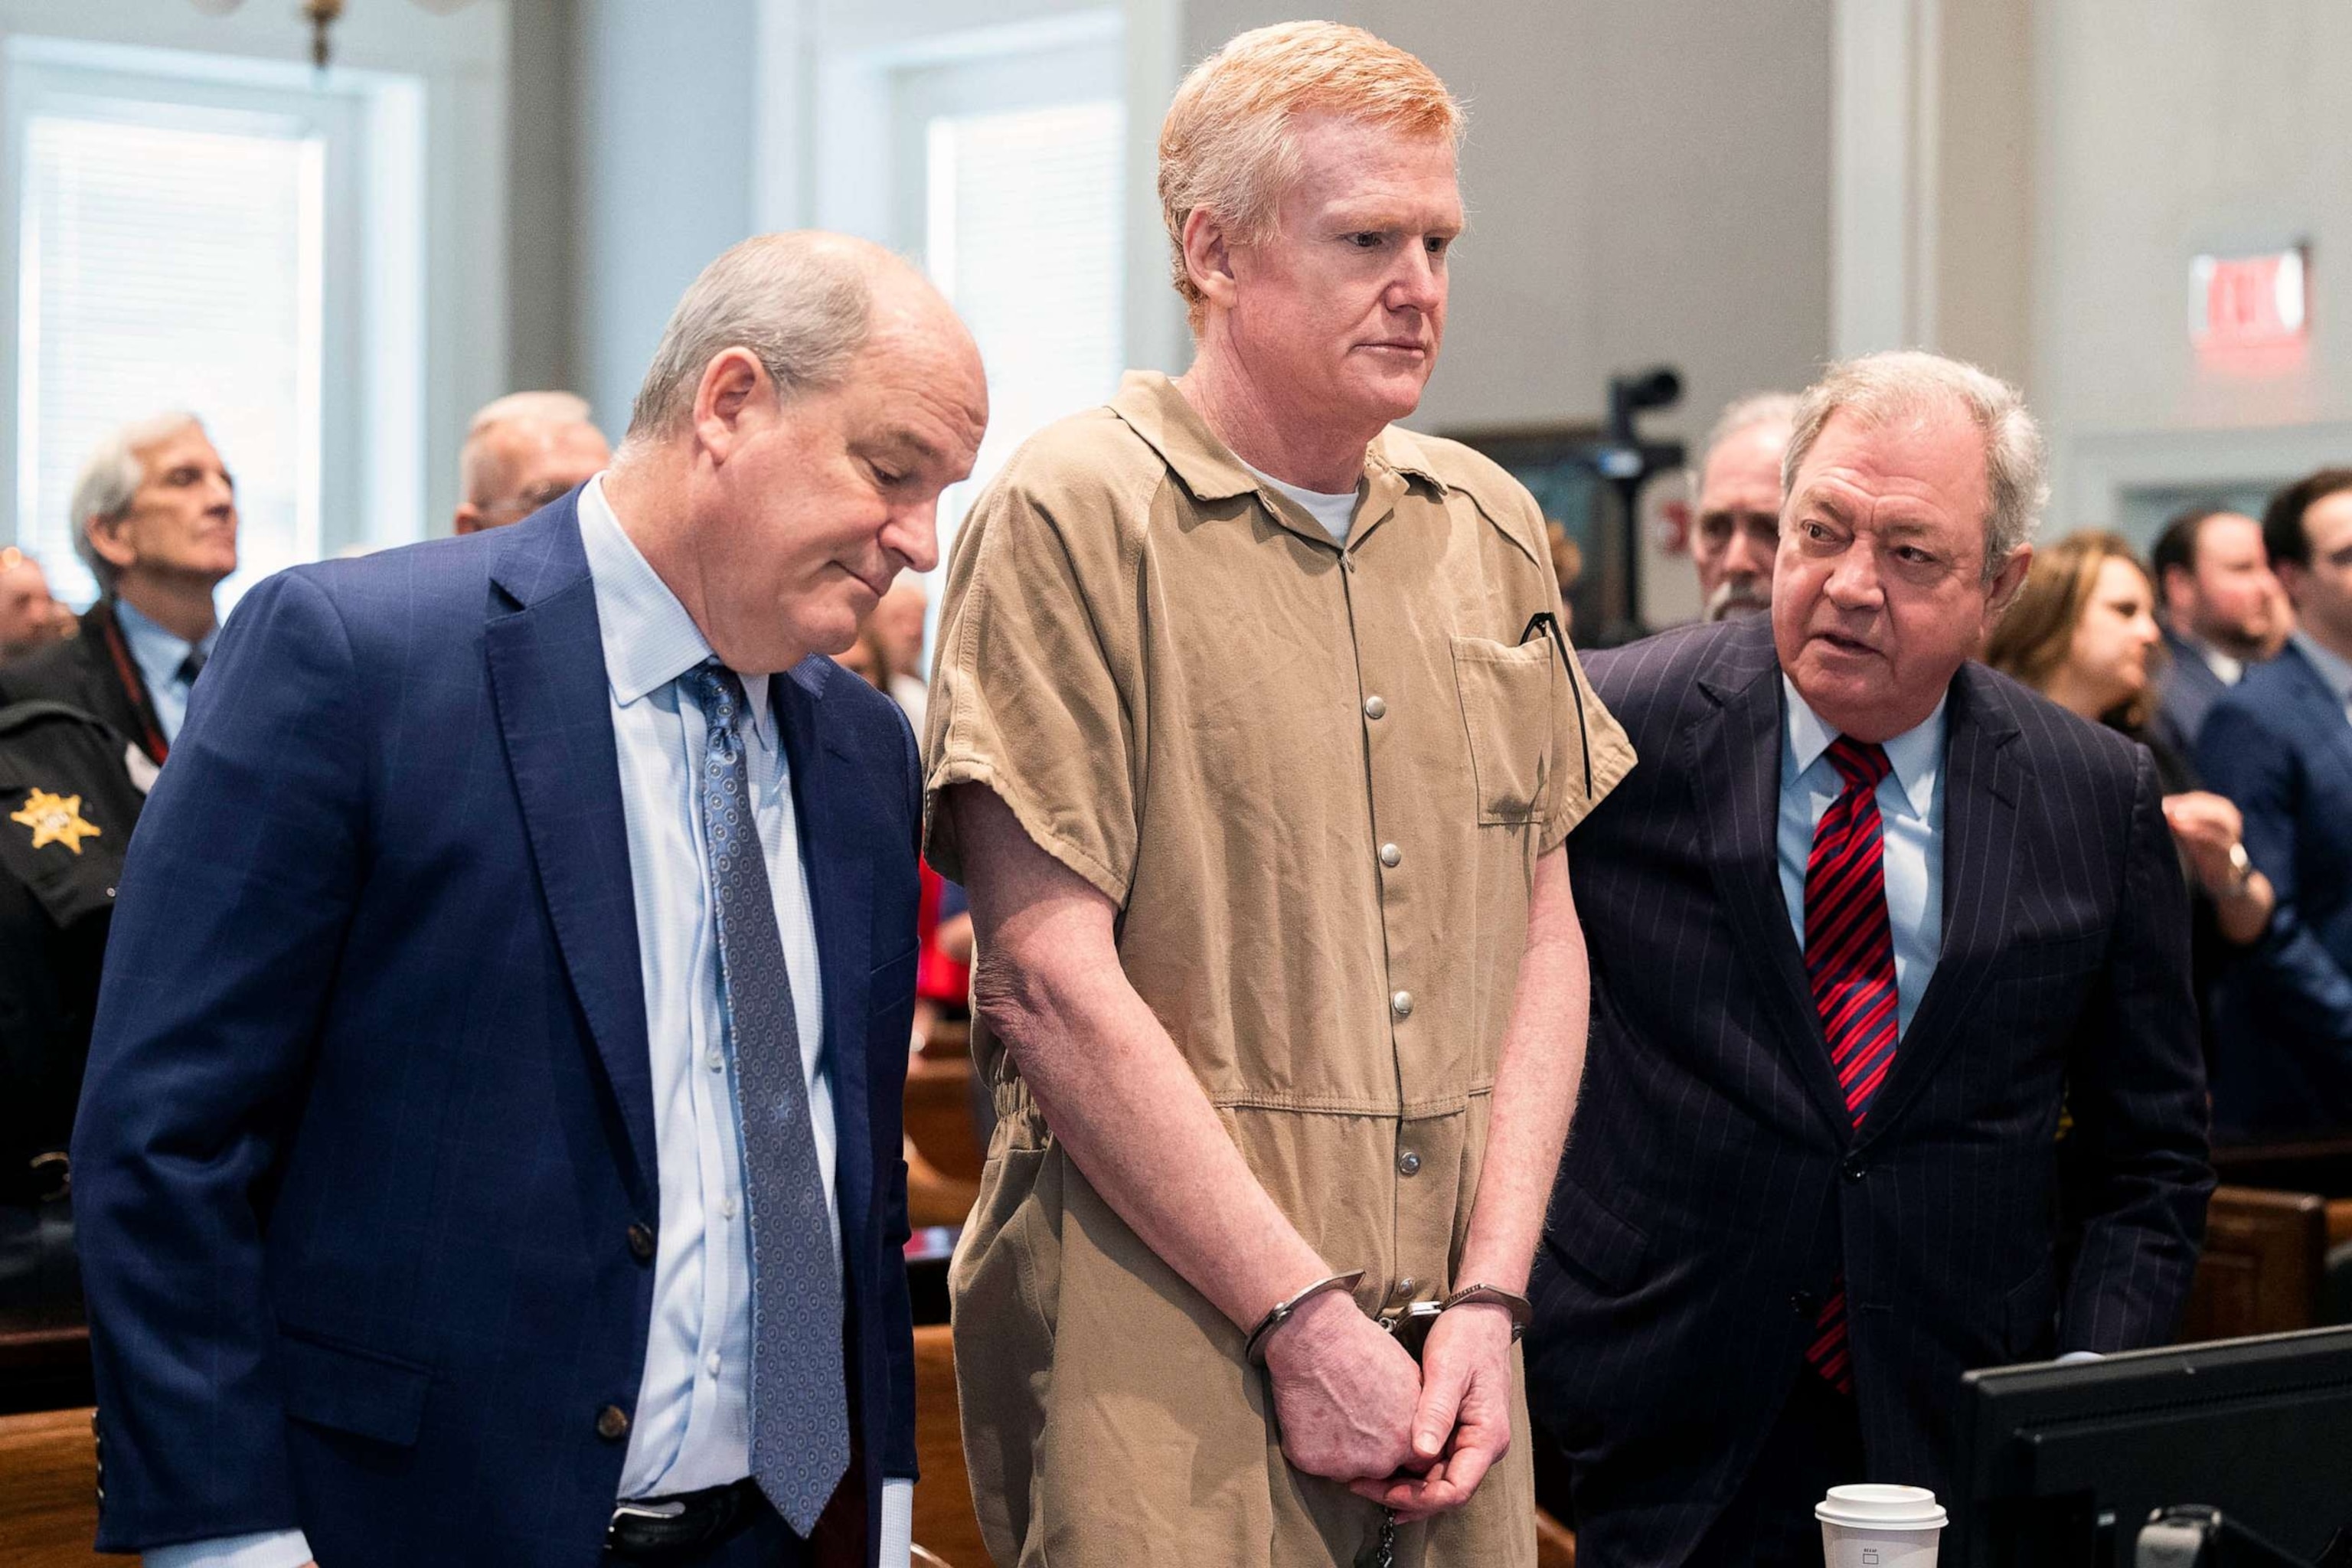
{"x": 841, "y": 906}
{"x": 1982, "y": 788}
{"x": 547, "y": 678}
{"x": 2319, "y": 700}
{"x": 1736, "y": 754}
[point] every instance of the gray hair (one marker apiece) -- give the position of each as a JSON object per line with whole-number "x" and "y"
{"x": 1879, "y": 387}
{"x": 1742, "y": 414}
{"x": 801, "y": 302}
{"x": 110, "y": 480}
{"x": 514, "y": 408}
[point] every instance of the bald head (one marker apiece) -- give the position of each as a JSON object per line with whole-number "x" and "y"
{"x": 522, "y": 452}
{"x": 803, "y": 304}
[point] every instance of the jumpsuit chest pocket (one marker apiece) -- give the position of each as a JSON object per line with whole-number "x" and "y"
{"x": 1506, "y": 708}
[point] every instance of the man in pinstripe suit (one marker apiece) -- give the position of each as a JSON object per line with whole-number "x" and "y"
{"x": 1877, "y": 917}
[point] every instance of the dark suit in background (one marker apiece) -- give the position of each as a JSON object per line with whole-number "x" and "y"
{"x": 95, "y": 673}
{"x": 2279, "y": 745}
{"x": 2185, "y": 693}
{"x": 1715, "y": 1186}
{"x": 365, "y": 1167}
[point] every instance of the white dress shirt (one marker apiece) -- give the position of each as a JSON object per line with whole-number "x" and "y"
{"x": 692, "y": 1427}
{"x": 1911, "y": 812}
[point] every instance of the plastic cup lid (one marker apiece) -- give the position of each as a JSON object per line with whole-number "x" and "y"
{"x": 1875, "y": 1507}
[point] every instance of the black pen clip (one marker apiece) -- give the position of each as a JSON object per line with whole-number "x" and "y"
{"x": 1545, "y": 621}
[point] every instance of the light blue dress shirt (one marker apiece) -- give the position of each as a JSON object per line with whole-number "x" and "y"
{"x": 692, "y": 1427}
{"x": 1911, "y": 810}
{"x": 158, "y": 656}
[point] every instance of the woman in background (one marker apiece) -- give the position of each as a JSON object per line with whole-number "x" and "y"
{"x": 2082, "y": 631}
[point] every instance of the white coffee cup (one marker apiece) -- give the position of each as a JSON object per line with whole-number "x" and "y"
{"x": 1875, "y": 1526}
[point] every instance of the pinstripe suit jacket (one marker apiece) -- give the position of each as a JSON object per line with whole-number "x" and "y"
{"x": 1714, "y": 1186}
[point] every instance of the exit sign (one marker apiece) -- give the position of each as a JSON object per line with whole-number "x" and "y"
{"x": 2241, "y": 302}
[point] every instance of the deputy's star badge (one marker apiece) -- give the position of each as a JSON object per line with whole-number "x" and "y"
{"x": 55, "y": 819}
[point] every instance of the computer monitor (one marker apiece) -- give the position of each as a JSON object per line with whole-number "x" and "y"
{"x": 2060, "y": 1465}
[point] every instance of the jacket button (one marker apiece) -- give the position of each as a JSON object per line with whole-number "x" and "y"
{"x": 1401, "y": 1003}
{"x": 1854, "y": 1170}
{"x": 1374, "y": 707}
{"x": 1804, "y": 1303}
{"x": 612, "y": 1423}
{"x": 1390, "y": 855}
{"x": 641, "y": 1243}
{"x": 1409, "y": 1163}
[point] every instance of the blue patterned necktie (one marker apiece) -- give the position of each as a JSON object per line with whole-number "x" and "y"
{"x": 799, "y": 1416}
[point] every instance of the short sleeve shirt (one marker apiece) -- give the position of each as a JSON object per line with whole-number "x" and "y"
{"x": 1316, "y": 779}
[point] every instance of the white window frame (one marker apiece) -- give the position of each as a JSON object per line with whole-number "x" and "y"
{"x": 368, "y": 451}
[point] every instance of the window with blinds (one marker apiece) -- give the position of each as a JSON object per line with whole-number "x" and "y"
{"x": 166, "y": 264}
{"x": 1024, "y": 235}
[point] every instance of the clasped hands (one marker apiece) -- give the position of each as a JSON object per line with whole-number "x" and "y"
{"x": 1355, "y": 1408}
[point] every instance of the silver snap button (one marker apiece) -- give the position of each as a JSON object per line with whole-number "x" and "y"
{"x": 1402, "y": 1004}
{"x": 1409, "y": 1163}
{"x": 1390, "y": 855}
{"x": 1374, "y": 707}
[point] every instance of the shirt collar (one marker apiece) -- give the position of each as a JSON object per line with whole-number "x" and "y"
{"x": 158, "y": 653}
{"x": 1913, "y": 757}
{"x": 2332, "y": 667}
{"x": 1152, "y": 405}
{"x": 2227, "y": 668}
{"x": 649, "y": 640}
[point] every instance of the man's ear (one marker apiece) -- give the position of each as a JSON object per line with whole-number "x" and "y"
{"x": 2006, "y": 583}
{"x": 1208, "y": 257}
{"x": 734, "y": 387}
{"x": 470, "y": 518}
{"x": 108, "y": 540}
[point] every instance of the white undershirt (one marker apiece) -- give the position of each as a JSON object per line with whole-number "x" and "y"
{"x": 1335, "y": 512}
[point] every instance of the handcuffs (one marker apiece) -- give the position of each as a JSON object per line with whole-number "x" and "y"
{"x": 1408, "y": 1322}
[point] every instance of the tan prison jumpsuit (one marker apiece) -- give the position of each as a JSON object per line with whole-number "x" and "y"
{"x": 1316, "y": 781}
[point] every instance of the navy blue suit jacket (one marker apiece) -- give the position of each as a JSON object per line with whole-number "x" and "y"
{"x": 2185, "y": 694}
{"x": 2279, "y": 746}
{"x": 369, "y": 1118}
{"x": 1714, "y": 1183}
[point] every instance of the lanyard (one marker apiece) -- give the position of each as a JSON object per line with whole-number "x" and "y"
{"x": 156, "y": 746}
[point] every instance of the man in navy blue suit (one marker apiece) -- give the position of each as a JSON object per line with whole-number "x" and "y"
{"x": 489, "y": 1150}
{"x": 1869, "y": 917}
{"x": 2279, "y": 744}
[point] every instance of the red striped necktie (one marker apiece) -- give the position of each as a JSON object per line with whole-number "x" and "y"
{"x": 1849, "y": 959}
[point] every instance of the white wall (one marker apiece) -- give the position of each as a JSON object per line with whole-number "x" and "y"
{"x": 662, "y": 174}
{"x": 2168, "y": 127}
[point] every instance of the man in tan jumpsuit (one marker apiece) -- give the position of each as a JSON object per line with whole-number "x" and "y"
{"x": 1248, "y": 742}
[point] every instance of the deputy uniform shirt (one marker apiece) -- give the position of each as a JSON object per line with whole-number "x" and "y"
{"x": 67, "y": 809}
{"x": 1316, "y": 779}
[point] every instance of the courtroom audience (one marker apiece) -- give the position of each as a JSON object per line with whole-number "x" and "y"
{"x": 31, "y": 617}
{"x": 2220, "y": 607}
{"x": 2279, "y": 744}
{"x": 523, "y": 451}
{"x": 155, "y": 520}
{"x": 2082, "y": 632}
